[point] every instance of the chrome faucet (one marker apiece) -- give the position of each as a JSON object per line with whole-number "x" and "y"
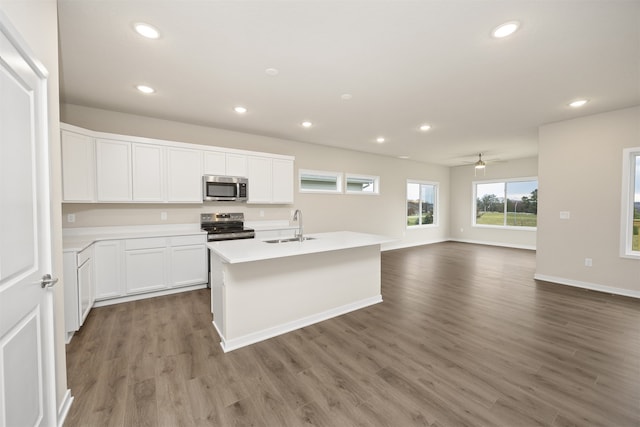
{"x": 297, "y": 216}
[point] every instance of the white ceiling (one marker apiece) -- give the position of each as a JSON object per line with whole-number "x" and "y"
{"x": 404, "y": 63}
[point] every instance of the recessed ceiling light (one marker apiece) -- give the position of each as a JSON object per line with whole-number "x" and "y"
{"x": 306, "y": 124}
{"x": 346, "y": 96}
{"x": 272, "y": 71}
{"x": 505, "y": 29}
{"x": 578, "y": 103}
{"x": 425, "y": 127}
{"x": 146, "y": 30}
{"x": 145, "y": 89}
{"x": 240, "y": 109}
{"x": 380, "y": 140}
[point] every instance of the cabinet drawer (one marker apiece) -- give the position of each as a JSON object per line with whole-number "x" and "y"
{"x": 148, "y": 243}
{"x": 188, "y": 240}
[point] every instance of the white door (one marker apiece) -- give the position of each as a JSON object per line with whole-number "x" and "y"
{"x": 27, "y": 383}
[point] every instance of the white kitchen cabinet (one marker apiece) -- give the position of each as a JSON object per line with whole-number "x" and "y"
{"x": 184, "y": 175}
{"x": 236, "y": 164}
{"x": 215, "y": 163}
{"x": 283, "y": 181}
{"x": 148, "y": 169}
{"x": 259, "y": 172}
{"x": 145, "y": 264}
{"x": 188, "y": 260}
{"x": 113, "y": 171}
{"x": 78, "y": 167}
{"x": 108, "y": 273}
{"x": 270, "y": 180}
{"x": 79, "y": 289}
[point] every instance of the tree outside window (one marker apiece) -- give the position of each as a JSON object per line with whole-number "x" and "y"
{"x": 507, "y": 203}
{"x": 421, "y": 203}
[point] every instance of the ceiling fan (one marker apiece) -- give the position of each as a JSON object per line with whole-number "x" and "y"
{"x": 481, "y": 164}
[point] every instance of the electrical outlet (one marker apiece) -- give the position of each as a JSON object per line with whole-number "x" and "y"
{"x": 163, "y": 216}
{"x": 565, "y": 214}
{"x": 588, "y": 262}
{"x": 261, "y": 213}
{"x": 461, "y": 230}
{"x": 71, "y": 217}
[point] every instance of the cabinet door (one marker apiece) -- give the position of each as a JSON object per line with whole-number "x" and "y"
{"x": 148, "y": 173}
{"x": 188, "y": 265}
{"x": 236, "y": 164}
{"x": 71, "y": 300}
{"x": 282, "y": 181}
{"x": 85, "y": 288}
{"x": 108, "y": 277}
{"x": 145, "y": 270}
{"x": 78, "y": 168}
{"x": 184, "y": 175}
{"x": 260, "y": 179}
{"x": 113, "y": 170}
{"x": 215, "y": 163}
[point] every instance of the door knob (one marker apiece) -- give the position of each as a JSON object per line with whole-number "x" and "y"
{"x": 48, "y": 281}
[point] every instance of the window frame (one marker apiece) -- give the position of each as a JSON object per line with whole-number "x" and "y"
{"x": 375, "y": 179}
{"x": 629, "y": 156}
{"x": 474, "y": 204}
{"x": 436, "y": 204}
{"x": 337, "y": 175}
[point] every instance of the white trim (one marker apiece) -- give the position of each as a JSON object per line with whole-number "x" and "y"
{"x": 403, "y": 245}
{"x": 63, "y": 410}
{"x": 586, "y": 285}
{"x": 145, "y": 295}
{"x": 501, "y": 244}
{"x": 252, "y": 338}
{"x": 627, "y": 203}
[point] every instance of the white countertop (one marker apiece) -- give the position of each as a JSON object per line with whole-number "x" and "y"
{"x": 77, "y": 239}
{"x": 238, "y": 251}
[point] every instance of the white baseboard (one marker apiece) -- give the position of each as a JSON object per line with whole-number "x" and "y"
{"x": 63, "y": 410}
{"x": 236, "y": 343}
{"x": 111, "y": 301}
{"x": 586, "y": 285}
{"x": 402, "y": 245}
{"x": 502, "y": 244}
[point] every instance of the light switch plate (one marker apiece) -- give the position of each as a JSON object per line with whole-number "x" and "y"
{"x": 565, "y": 214}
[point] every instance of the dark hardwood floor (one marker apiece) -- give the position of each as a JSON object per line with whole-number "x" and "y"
{"x": 464, "y": 337}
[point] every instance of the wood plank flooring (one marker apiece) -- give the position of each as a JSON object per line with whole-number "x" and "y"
{"x": 464, "y": 337}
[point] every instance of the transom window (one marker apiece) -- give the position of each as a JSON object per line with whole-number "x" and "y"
{"x": 512, "y": 203}
{"x": 422, "y": 203}
{"x": 320, "y": 181}
{"x": 362, "y": 184}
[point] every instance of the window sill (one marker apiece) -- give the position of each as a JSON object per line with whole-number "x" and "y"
{"x": 505, "y": 227}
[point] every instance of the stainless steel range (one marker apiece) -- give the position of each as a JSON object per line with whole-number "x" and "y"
{"x": 225, "y": 226}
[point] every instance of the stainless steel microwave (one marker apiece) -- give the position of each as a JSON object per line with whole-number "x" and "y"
{"x": 216, "y": 188}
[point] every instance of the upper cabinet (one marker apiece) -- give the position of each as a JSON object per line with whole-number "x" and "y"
{"x": 113, "y": 171}
{"x": 184, "y": 173}
{"x": 78, "y": 167}
{"x": 99, "y": 167}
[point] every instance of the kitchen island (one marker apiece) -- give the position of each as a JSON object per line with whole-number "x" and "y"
{"x": 261, "y": 289}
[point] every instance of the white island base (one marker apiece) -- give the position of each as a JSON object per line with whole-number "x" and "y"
{"x": 297, "y": 285}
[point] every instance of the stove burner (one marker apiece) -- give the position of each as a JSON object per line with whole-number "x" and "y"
{"x": 225, "y": 226}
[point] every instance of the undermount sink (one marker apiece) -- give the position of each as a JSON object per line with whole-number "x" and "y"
{"x": 289, "y": 239}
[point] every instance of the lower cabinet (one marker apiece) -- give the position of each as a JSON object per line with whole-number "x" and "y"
{"x": 145, "y": 263}
{"x": 79, "y": 288}
{"x": 108, "y": 274}
{"x": 188, "y": 261}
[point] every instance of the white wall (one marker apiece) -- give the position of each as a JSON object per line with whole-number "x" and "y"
{"x": 580, "y": 171}
{"x": 383, "y": 214}
{"x": 37, "y": 22}
{"x": 462, "y": 201}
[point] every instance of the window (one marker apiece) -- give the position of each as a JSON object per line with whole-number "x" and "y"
{"x": 422, "y": 201}
{"x": 512, "y": 203}
{"x": 630, "y": 234}
{"x": 362, "y": 184}
{"x": 320, "y": 182}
